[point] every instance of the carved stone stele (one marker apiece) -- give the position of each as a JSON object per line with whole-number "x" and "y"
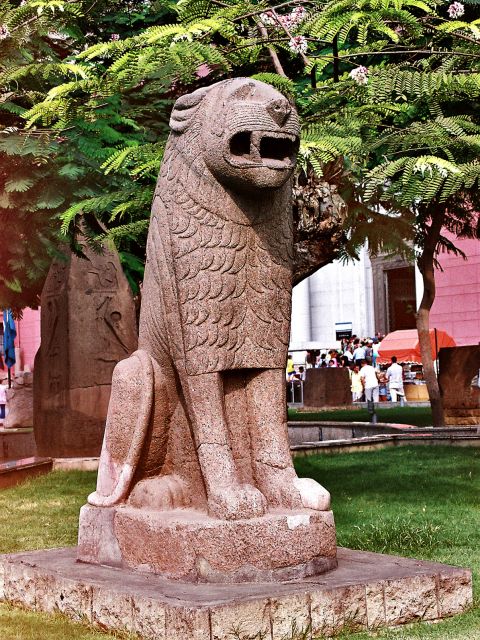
{"x": 459, "y": 370}
{"x": 196, "y": 480}
{"x": 88, "y": 324}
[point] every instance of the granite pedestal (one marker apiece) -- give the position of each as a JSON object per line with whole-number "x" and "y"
{"x": 366, "y": 591}
{"x": 188, "y": 545}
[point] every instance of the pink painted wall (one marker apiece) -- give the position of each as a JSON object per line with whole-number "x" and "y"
{"x": 28, "y": 336}
{"x": 457, "y": 303}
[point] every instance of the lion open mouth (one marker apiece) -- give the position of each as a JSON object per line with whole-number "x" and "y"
{"x": 267, "y": 149}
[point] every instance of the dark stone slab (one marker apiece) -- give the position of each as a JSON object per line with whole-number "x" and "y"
{"x": 327, "y": 387}
{"x": 15, "y": 471}
{"x": 366, "y": 591}
{"x": 17, "y": 443}
{"x": 458, "y": 379}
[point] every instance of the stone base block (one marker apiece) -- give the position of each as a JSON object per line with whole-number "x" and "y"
{"x": 14, "y": 472}
{"x": 459, "y": 422}
{"x": 366, "y": 591}
{"x": 455, "y": 417}
{"x": 17, "y": 443}
{"x": 188, "y": 545}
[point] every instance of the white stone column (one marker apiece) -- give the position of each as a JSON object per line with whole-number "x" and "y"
{"x": 368, "y": 285}
{"x": 418, "y": 286}
{"x": 301, "y": 327}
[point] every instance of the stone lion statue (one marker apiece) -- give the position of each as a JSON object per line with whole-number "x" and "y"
{"x": 197, "y": 415}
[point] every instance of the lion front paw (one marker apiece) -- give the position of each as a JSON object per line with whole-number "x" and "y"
{"x": 236, "y": 502}
{"x": 314, "y": 496}
{"x": 278, "y": 486}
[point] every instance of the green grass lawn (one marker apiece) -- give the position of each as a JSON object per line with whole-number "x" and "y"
{"x": 41, "y": 514}
{"x": 415, "y": 501}
{"x": 422, "y": 502}
{"x": 418, "y": 416}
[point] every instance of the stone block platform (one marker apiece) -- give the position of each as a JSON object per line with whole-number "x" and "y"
{"x": 17, "y": 443}
{"x": 367, "y": 590}
{"x": 14, "y": 472}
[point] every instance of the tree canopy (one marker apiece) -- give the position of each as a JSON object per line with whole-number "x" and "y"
{"x": 388, "y": 92}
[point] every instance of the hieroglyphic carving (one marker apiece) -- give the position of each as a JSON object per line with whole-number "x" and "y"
{"x": 53, "y": 345}
{"x": 57, "y": 277}
{"x": 111, "y": 344}
{"x": 53, "y": 291}
{"x": 102, "y": 276}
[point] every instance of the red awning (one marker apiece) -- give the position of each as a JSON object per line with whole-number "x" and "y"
{"x": 404, "y": 345}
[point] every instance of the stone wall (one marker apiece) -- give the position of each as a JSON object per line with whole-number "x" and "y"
{"x": 459, "y": 385}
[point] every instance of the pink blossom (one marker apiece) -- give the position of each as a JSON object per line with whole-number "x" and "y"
{"x": 298, "y": 15}
{"x": 456, "y": 10}
{"x": 298, "y": 44}
{"x": 287, "y": 20}
{"x": 359, "y": 75}
{"x": 268, "y": 18}
{"x": 55, "y": 35}
{"x": 115, "y": 36}
{"x": 4, "y": 31}
{"x": 203, "y": 71}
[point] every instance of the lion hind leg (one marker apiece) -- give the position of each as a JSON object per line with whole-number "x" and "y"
{"x": 131, "y": 403}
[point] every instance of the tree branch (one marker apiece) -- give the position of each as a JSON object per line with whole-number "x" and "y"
{"x": 273, "y": 54}
{"x": 306, "y": 61}
{"x": 401, "y": 52}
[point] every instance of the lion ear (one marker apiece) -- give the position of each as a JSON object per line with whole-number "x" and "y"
{"x": 185, "y": 109}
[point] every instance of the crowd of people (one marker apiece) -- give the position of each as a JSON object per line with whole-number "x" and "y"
{"x": 352, "y": 352}
{"x": 359, "y": 355}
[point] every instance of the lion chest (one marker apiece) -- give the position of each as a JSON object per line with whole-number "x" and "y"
{"x": 233, "y": 285}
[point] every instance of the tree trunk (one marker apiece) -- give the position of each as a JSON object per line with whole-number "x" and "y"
{"x": 318, "y": 225}
{"x": 427, "y": 269}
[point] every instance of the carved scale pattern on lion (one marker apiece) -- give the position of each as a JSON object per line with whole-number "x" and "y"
{"x": 197, "y": 415}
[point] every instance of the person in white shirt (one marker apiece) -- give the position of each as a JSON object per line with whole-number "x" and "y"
{"x": 358, "y": 354}
{"x": 369, "y": 379}
{"x": 395, "y": 379}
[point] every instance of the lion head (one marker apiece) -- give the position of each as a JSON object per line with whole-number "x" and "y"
{"x": 244, "y": 132}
